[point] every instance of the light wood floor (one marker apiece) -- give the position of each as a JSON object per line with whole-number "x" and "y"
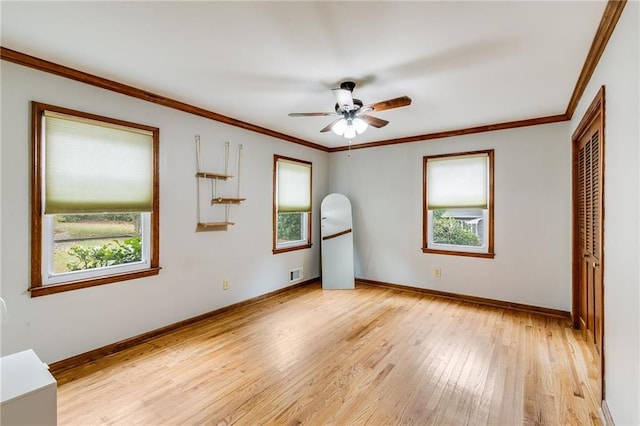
{"x": 369, "y": 356}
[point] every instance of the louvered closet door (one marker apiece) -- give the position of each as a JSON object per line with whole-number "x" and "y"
{"x": 590, "y": 241}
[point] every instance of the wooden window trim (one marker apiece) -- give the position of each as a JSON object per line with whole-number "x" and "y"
{"x": 37, "y": 288}
{"x": 425, "y": 225}
{"x": 274, "y": 216}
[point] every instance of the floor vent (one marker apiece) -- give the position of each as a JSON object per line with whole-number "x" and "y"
{"x": 295, "y": 275}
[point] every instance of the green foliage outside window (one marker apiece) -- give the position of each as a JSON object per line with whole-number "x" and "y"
{"x": 105, "y": 217}
{"x": 109, "y": 254}
{"x": 290, "y": 227}
{"x": 447, "y": 230}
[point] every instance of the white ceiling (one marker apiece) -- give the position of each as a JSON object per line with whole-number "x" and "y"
{"x": 463, "y": 64}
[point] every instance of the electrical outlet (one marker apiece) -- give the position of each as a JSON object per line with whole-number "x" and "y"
{"x": 437, "y": 273}
{"x": 225, "y": 284}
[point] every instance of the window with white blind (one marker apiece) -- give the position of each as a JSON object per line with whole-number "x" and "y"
{"x": 95, "y": 200}
{"x": 291, "y": 204}
{"x": 458, "y": 204}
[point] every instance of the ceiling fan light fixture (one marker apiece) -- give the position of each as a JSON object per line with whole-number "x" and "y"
{"x": 350, "y": 132}
{"x": 349, "y": 128}
{"x": 340, "y": 127}
{"x": 360, "y": 125}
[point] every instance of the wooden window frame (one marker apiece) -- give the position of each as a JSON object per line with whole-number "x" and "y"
{"x": 37, "y": 287}
{"x": 301, "y": 246}
{"x": 490, "y": 254}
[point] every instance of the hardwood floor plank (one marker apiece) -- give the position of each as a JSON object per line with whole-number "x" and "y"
{"x": 369, "y": 356}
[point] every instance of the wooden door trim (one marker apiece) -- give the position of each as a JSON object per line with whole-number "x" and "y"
{"x": 595, "y": 113}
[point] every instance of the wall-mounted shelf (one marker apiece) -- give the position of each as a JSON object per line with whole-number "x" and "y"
{"x": 224, "y": 200}
{"x": 213, "y": 226}
{"x": 208, "y": 175}
{"x": 213, "y": 184}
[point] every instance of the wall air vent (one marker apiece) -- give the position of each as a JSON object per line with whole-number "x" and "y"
{"x": 295, "y": 275}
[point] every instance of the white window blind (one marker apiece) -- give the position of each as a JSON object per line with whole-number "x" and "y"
{"x": 96, "y": 167}
{"x": 294, "y": 187}
{"x": 458, "y": 182}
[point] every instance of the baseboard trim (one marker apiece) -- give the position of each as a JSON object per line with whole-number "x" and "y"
{"x": 471, "y": 299}
{"x": 606, "y": 414}
{"x": 95, "y": 354}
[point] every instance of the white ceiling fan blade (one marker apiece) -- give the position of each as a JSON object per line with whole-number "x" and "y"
{"x": 344, "y": 99}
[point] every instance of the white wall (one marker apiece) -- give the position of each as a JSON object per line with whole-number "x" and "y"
{"x": 619, "y": 72}
{"x": 532, "y": 216}
{"x": 194, "y": 264}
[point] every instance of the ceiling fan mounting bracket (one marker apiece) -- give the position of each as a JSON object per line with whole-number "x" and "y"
{"x": 348, "y": 85}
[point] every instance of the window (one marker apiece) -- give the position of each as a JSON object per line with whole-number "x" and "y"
{"x": 94, "y": 200}
{"x": 458, "y": 204}
{"x": 291, "y": 204}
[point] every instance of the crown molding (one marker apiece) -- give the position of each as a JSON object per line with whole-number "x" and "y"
{"x": 94, "y": 80}
{"x": 609, "y": 20}
{"x": 457, "y": 132}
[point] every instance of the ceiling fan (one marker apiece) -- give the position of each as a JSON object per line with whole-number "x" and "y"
{"x": 353, "y": 118}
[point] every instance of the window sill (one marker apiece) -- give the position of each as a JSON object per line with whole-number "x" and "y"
{"x": 75, "y": 285}
{"x": 293, "y": 248}
{"x": 459, "y": 253}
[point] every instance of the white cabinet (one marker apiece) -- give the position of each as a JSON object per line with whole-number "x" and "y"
{"x": 27, "y": 391}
